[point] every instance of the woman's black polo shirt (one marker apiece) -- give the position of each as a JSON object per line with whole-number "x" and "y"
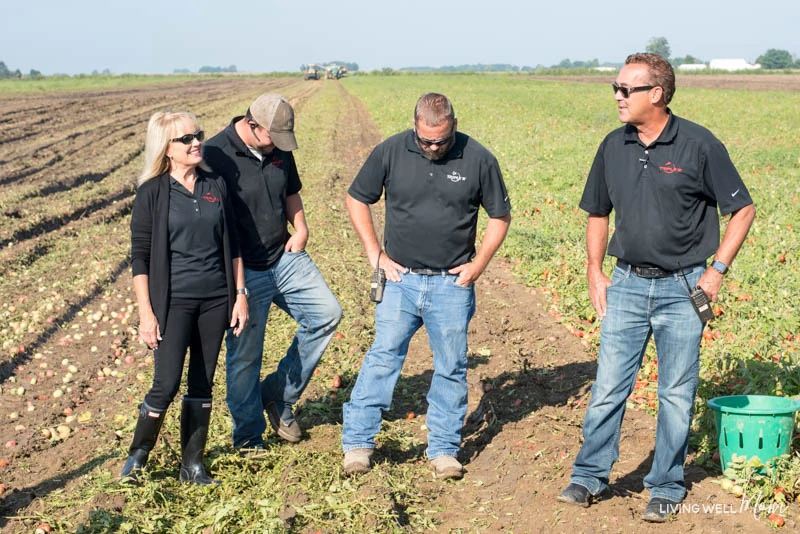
{"x": 197, "y": 268}
{"x": 665, "y": 196}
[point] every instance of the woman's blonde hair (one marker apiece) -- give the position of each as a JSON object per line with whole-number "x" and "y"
{"x": 161, "y": 128}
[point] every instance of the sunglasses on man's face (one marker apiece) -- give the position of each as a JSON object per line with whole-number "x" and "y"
{"x": 427, "y": 143}
{"x": 188, "y": 138}
{"x": 626, "y": 91}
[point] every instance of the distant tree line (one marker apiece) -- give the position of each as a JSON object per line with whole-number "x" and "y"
{"x": 5, "y": 72}
{"x": 206, "y": 68}
{"x": 496, "y": 67}
{"x": 778, "y": 59}
{"x": 771, "y": 59}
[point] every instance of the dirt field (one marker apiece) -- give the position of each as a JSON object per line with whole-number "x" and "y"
{"x": 65, "y": 166}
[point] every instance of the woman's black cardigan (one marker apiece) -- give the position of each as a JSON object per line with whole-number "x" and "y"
{"x": 150, "y": 253}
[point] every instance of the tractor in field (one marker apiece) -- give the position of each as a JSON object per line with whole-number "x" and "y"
{"x": 312, "y": 72}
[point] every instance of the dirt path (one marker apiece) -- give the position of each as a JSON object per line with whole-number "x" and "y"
{"x": 529, "y": 378}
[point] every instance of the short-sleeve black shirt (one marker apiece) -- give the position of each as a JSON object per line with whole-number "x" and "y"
{"x": 258, "y": 191}
{"x": 432, "y": 206}
{"x": 665, "y": 196}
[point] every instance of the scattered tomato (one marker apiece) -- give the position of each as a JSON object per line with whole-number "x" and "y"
{"x": 776, "y": 520}
{"x": 337, "y": 382}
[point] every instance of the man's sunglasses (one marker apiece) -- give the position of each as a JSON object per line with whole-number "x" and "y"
{"x": 626, "y": 91}
{"x": 188, "y": 138}
{"x": 427, "y": 143}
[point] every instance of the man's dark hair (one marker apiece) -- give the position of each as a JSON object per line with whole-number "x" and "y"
{"x": 661, "y": 73}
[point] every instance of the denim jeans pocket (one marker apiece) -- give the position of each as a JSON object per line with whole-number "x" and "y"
{"x": 452, "y": 281}
{"x": 619, "y": 275}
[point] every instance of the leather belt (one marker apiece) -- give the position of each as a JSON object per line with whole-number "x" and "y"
{"x": 646, "y": 272}
{"x": 424, "y": 271}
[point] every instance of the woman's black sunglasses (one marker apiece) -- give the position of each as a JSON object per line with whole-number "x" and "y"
{"x": 188, "y": 138}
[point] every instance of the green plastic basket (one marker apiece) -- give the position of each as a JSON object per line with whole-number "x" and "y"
{"x": 754, "y": 425}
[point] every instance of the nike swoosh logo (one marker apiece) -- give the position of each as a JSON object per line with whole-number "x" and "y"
{"x": 735, "y": 193}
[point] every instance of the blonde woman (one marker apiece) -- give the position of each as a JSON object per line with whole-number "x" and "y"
{"x": 189, "y": 284}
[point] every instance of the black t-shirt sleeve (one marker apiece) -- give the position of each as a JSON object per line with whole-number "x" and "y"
{"x": 722, "y": 180}
{"x": 293, "y": 185}
{"x": 595, "y": 199}
{"x": 494, "y": 196}
{"x": 368, "y": 184}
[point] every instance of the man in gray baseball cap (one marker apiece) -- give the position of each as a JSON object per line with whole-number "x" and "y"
{"x": 275, "y": 114}
{"x": 254, "y": 155}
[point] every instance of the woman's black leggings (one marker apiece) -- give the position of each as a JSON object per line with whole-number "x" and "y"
{"x": 198, "y": 324}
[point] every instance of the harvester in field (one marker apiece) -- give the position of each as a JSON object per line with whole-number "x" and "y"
{"x": 334, "y": 72}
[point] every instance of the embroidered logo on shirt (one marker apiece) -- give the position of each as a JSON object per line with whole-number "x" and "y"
{"x": 210, "y": 198}
{"x": 276, "y": 163}
{"x": 670, "y": 168}
{"x": 456, "y": 177}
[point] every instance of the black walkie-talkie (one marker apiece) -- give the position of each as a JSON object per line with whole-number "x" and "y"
{"x": 377, "y": 282}
{"x": 701, "y": 304}
{"x": 699, "y": 300}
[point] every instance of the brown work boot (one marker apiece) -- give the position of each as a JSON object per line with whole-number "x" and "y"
{"x": 447, "y": 467}
{"x": 291, "y": 432}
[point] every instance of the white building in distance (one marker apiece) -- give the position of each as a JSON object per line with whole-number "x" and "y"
{"x": 732, "y": 64}
{"x": 692, "y": 67}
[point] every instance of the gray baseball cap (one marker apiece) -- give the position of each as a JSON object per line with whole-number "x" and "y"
{"x": 274, "y": 113}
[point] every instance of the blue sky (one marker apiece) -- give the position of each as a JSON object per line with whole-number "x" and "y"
{"x": 149, "y": 36}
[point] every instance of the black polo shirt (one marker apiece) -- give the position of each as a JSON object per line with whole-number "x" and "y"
{"x": 258, "y": 191}
{"x": 195, "y": 241}
{"x": 432, "y": 206}
{"x": 665, "y": 196}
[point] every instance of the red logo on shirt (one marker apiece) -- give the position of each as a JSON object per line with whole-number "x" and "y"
{"x": 670, "y": 168}
{"x": 276, "y": 163}
{"x": 211, "y": 198}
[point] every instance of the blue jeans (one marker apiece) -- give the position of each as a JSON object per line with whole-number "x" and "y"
{"x": 296, "y": 286}
{"x": 445, "y": 309}
{"x": 636, "y": 309}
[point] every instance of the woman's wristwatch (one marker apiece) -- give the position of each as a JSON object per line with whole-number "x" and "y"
{"x": 244, "y": 291}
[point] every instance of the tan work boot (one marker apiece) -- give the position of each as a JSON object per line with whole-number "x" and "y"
{"x": 447, "y": 467}
{"x": 358, "y": 461}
